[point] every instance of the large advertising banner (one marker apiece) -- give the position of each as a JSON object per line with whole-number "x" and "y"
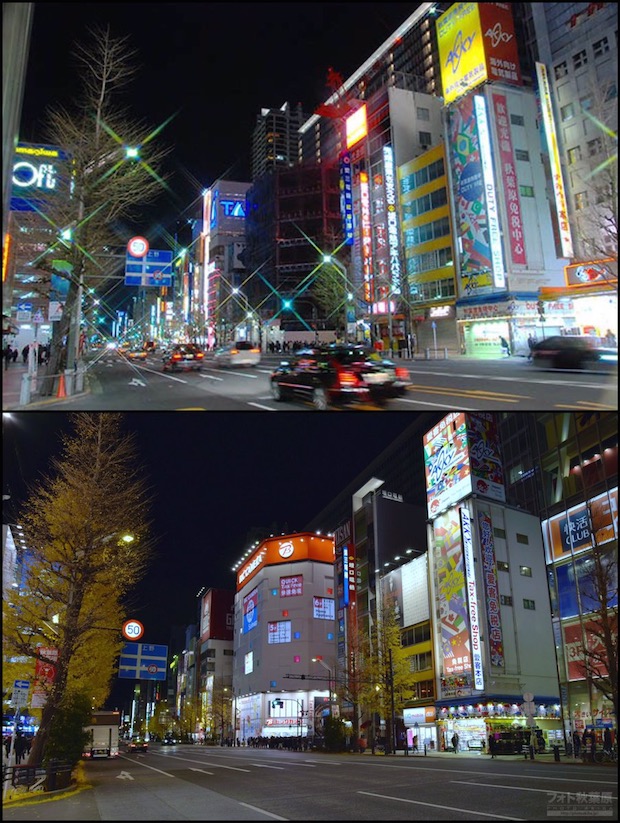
{"x": 451, "y": 595}
{"x": 575, "y": 530}
{"x": 346, "y": 197}
{"x": 574, "y": 650}
{"x": 217, "y": 615}
{"x": 487, "y": 473}
{"x": 446, "y": 463}
{"x": 469, "y": 195}
{"x": 477, "y": 42}
{"x": 509, "y": 177}
{"x": 495, "y": 640}
{"x": 250, "y": 611}
{"x": 472, "y": 599}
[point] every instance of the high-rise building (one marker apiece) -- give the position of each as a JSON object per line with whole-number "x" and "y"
{"x": 274, "y": 140}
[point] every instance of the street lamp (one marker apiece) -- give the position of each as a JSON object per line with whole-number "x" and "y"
{"x": 330, "y": 672}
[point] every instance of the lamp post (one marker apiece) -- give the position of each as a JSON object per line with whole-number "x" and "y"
{"x": 330, "y": 672}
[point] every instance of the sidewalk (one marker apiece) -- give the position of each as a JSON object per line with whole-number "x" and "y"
{"x": 12, "y": 386}
{"x": 545, "y": 757}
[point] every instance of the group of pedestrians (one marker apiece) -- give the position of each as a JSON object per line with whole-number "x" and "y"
{"x": 10, "y": 354}
{"x": 23, "y": 743}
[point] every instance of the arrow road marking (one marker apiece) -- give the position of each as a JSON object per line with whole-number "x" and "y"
{"x": 201, "y": 770}
{"x": 124, "y": 776}
{"x": 135, "y": 382}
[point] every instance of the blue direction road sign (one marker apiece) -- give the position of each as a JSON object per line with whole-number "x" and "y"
{"x": 154, "y": 269}
{"x": 141, "y": 661}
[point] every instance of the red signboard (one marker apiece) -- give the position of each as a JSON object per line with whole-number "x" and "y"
{"x": 509, "y": 177}
{"x": 217, "y": 615}
{"x": 500, "y": 43}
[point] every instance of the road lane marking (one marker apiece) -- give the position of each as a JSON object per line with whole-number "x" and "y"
{"x": 259, "y": 406}
{"x": 262, "y": 811}
{"x": 519, "y": 788}
{"x": 438, "y": 806}
{"x": 265, "y": 766}
{"x": 201, "y": 770}
{"x": 209, "y": 376}
{"x": 435, "y": 405}
{"x": 144, "y": 765}
{"x": 213, "y": 765}
{"x": 473, "y": 393}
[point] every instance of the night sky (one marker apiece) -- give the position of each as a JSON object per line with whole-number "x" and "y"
{"x": 214, "y": 477}
{"x": 216, "y": 64}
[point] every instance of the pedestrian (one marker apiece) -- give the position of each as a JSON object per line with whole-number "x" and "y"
{"x": 7, "y": 745}
{"x": 8, "y": 355}
{"x": 531, "y": 340}
{"x": 19, "y": 748}
{"x": 25, "y": 351}
{"x": 505, "y": 346}
{"x": 607, "y": 741}
{"x": 455, "y": 742}
{"x": 610, "y": 339}
{"x": 492, "y": 747}
{"x": 576, "y": 744}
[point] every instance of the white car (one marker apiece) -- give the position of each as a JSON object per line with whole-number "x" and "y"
{"x": 240, "y": 353}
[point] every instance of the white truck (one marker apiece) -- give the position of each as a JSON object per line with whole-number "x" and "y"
{"x": 102, "y": 733}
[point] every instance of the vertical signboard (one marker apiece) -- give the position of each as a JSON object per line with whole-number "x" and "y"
{"x": 472, "y": 599}
{"x": 346, "y": 197}
{"x": 491, "y": 590}
{"x": 455, "y": 651}
{"x": 367, "y": 265}
{"x": 250, "y": 611}
{"x": 561, "y": 209}
{"x": 501, "y": 51}
{"x": 469, "y": 200}
{"x": 446, "y": 463}
{"x": 490, "y": 194}
{"x": 487, "y": 472}
{"x": 392, "y": 219}
{"x": 509, "y": 179}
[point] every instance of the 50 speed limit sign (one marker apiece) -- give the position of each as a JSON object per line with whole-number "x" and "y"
{"x": 132, "y": 629}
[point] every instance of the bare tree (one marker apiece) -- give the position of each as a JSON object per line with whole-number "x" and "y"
{"x": 100, "y": 182}
{"x": 87, "y": 531}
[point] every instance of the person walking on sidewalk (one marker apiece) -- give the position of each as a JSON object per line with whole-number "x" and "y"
{"x": 492, "y": 751}
{"x": 531, "y": 340}
{"x": 455, "y": 742}
{"x": 505, "y": 346}
{"x": 25, "y": 351}
{"x": 8, "y": 355}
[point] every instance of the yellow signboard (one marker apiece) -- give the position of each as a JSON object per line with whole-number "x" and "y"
{"x": 461, "y": 50}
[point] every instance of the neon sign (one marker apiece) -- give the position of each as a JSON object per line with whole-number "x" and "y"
{"x": 392, "y": 219}
{"x": 366, "y": 238}
{"x": 495, "y": 242}
{"x": 356, "y": 126}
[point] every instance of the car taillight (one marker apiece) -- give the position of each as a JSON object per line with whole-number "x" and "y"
{"x": 402, "y": 373}
{"x": 177, "y": 357}
{"x": 255, "y": 351}
{"x": 347, "y": 378}
{"x": 199, "y": 354}
{"x": 234, "y": 351}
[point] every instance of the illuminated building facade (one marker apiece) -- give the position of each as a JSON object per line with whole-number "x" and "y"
{"x": 284, "y": 617}
{"x": 564, "y": 468}
{"x": 274, "y": 140}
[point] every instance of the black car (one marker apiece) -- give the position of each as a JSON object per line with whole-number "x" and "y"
{"x": 573, "y": 352}
{"x": 183, "y": 356}
{"x": 338, "y": 374}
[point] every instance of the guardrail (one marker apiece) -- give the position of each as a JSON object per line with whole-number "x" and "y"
{"x": 56, "y": 775}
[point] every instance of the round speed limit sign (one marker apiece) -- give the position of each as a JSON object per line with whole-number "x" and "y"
{"x": 133, "y": 629}
{"x": 138, "y": 246}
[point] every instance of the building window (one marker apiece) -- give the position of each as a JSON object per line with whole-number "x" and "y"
{"x": 416, "y": 634}
{"x": 561, "y": 70}
{"x": 529, "y": 604}
{"x": 229, "y": 652}
{"x": 581, "y": 200}
{"x": 580, "y": 59}
{"x": 526, "y": 191}
{"x": 420, "y": 662}
{"x": 567, "y": 111}
{"x": 424, "y": 114}
{"x": 517, "y": 120}
{"x": 595, "y": 146}
{"x": 521, "y": 154}
{"x": 585, "y": 103}
{"x": 502, "y": 566}
{"x": 425, "y": 138}
{"x": 612, "y": 92}
{"x": 601, "y": 47}
{"x": 497, "y": 532}
{"x": 525, "y": 571}
{"x": 523, "y": 538}
{"x": 574, "y": 155}
{"x": 505, "y": 600}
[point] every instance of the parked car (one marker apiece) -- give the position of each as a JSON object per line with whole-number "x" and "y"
{"x": 573, "y": 352}
{"x": 339, "y": 374}
{"x": 183, "y": 356}
{"x": 241, "y": 353}
{"x": 138, "y": 744}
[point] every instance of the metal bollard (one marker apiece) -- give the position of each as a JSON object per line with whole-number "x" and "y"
{"x": 427, "y": 354}
{"x": 69, "y": 382}
{"x": 445, "y": 353}
{"x": 24, "y": 392}
{"x": 79, "y": 378}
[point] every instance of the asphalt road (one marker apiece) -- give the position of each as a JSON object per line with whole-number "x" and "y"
{"x": 196, "y": 783}
{"x": 461, "y": 383}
